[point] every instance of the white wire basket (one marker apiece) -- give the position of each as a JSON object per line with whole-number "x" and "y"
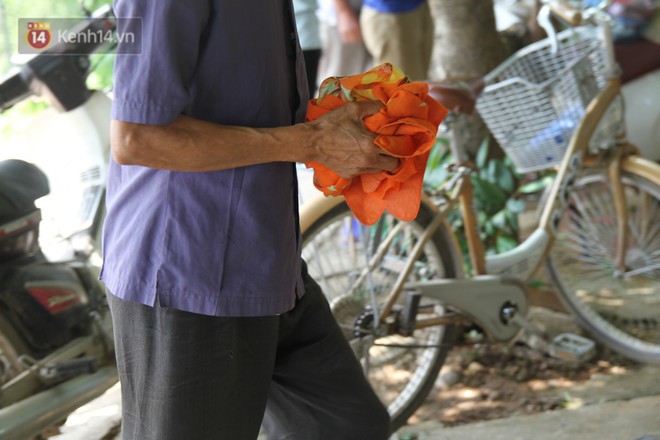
{"x": 534, "y": 100}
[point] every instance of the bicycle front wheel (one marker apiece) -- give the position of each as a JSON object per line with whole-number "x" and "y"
{"x": 620, "y": 308}
{"x": 401, "y": 368}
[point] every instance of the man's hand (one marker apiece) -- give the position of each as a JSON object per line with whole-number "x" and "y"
{"x": 342, "y": 143}
{"x": 348, "y": 26}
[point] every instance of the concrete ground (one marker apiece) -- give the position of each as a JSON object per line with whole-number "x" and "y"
{"x": 621, "y": 407}
{"x": 615, "y": 420}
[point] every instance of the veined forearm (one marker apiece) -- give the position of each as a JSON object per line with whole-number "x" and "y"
{"x": 337, "y": 140}
{"x": 189, "y": 144}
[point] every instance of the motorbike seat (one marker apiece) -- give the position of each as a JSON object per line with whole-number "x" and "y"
{"x": 21, "y": 183}
{"x": 457, "y": 96}
{"x": 637, "y": 58}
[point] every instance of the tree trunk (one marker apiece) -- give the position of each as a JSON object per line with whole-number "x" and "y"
{"x": 467, "y": 46}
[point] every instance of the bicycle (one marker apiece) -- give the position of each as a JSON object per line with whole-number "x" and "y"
{"x": 399, "y": 290}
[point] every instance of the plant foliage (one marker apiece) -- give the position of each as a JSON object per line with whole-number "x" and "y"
{"x": 500, "y": 194}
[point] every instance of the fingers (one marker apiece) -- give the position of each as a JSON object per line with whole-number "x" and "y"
{"x": 372, "y": 165}
{"x": 344, "y": 145}
{"x": 388, "y": 163}
{"x": 360, "y": 110}
{"x": 366, "y": 108}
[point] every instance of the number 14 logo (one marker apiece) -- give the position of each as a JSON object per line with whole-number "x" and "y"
{"x": 38, "y": 34}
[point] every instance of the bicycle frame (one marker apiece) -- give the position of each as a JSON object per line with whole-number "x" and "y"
{"x": 497, "y": 273}
{"x": 498, "y": 281}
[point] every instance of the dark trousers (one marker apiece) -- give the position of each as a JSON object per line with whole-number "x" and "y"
{"x": 312, "y": 58}
{"x": 186, "y": 376}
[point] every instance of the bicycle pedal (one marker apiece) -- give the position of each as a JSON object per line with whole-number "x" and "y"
{"x": 572, "y": 348}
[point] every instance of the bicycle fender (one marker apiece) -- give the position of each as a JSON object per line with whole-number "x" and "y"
{"x": 643, "y": 167}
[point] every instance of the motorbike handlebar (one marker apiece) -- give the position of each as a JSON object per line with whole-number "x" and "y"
{"x": 59, "y": 72}
{"x": 13, "y": 89}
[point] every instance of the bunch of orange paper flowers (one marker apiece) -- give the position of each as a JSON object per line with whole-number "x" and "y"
{"x": 405, "y": 128}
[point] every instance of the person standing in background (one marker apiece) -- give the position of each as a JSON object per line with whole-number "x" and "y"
{"x": 399, "y": 32}
{"x": 343, "y": 51}
{"x": 307, "y": 24}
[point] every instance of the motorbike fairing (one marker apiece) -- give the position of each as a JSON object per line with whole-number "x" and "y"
{"x": 46, "y": 302}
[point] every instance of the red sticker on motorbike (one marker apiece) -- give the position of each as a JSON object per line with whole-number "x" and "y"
{"x": 55, "y": 299}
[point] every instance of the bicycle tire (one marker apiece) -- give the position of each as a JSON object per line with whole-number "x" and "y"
{"x": 622, "y": 311}
{"x": 402, "y": 377}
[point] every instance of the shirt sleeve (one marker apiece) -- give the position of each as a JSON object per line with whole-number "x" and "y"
{"x": 152, "y": 87}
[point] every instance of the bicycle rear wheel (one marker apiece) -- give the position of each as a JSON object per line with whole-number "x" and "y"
{"x": 621, "y": 310}
{"x": 401, "y": 368}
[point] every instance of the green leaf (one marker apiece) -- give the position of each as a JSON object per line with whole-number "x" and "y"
{"x": 505, "y": 178}
{"x": 536, "y": 185}
{"x": 436, "y": 177}
{"x": 513, "y": 220}
{"x": 489, "y": 229}
{"x": 487, "y": 193}
{"x": 436, "y": 167}
{"x": 492, "y": 171}
{"x": 509, "y": 164}
{"x": 505, "y": 243}
{"x": 433, "y": 161}
{"x": 515, "y": 205}
{"x": 499, "y": 219}
{"x": 442, "y": 143}
{"x": 482, "y": 154}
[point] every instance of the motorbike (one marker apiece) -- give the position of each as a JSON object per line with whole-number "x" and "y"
{"x": 56, "y": 345}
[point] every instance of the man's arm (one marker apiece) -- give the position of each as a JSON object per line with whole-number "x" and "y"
{"x": 348, "y": 23}
{"x": 337, "y": 140}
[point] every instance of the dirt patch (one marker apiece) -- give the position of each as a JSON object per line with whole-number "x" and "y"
{"x": 486, "y": 381}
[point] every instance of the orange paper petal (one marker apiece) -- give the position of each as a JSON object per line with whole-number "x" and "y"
{"x": 367, "y": 210}
{"x": 327, "y": 180}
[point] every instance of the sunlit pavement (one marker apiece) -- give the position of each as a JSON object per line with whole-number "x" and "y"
{"x": 94, "y": 420}
{"x": 635, "y": 419}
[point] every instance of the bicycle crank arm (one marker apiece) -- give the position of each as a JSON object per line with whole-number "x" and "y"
{"x": 484, "y": 299}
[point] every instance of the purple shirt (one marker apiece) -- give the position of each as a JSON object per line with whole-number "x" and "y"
{"x": 222, "y": 243}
